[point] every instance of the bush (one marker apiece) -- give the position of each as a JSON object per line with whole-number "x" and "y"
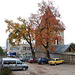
{"x": 6, "y": 71}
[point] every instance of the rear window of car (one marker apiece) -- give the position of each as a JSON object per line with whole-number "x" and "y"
{"x": 31, "y": 58}
{"x": 39, "y": 59}
{"x": 43, "y": 58}
{"x": 9, "y": 62}
{"x": 52, "y": 60}
{"x": 58, "y": 59}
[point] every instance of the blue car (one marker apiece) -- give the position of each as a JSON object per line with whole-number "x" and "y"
{"x": 43, "y": 61}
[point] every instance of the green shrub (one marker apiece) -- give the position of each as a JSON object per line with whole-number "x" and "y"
{"x": 6, "y": 71}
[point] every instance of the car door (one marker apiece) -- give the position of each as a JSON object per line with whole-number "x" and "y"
{"x": 19, "y": 64}
{"x": 5, "y": 63}
{"x": 42, "y": 60}
{"x": 58, "y": 61}
{"x": 9, "y": 63}
{"x": 45, "y": 60}
{"x": 12, "y": 64}
{"x": 33, "y": 60}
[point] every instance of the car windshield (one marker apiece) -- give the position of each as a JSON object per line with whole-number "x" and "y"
{"x": 19, "y": 62}
{"x": 39, "y": 59}
{"x": 20, "y": 56}
{"x": 31, "y": 58}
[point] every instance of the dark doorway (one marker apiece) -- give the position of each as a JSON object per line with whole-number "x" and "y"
{"x": 69, "y": 49}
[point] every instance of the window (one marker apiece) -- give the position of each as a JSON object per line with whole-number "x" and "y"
{"x": 69, "y": 49}
{"x": 57, "y": 59}
{"x": 11, "y": 48}
{"x": 39, "y": 59}
{"x": 14, "y": 53}
{"x": 24, "y": 48}
{"x": 25, "y": 53}
{"x": 52, "y": 60}
{"x": 43, "y": 59}
{"x": 56, "y": 42}
{"x": 31, "y": 58}
{"x": 14, "y": 48}
{"x": 28, "y": 48}
{"x": 29, "y": 54}
{"x": 19, "y": 62}
{"x": 9, "y": 62}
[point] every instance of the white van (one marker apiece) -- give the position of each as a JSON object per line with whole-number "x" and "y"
{"x": 13, "y": 63}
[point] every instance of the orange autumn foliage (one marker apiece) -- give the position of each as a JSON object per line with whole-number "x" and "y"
{"x": 49, "y": 27}
{"x": 19, "y": 32}
{"x": 52, "y": 48}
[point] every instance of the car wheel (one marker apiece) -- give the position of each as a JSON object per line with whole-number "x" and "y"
{"x": 24, "y": 68}
{"x": 42, "y": 63}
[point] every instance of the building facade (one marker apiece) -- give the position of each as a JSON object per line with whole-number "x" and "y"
{"x": 23, "y": 49}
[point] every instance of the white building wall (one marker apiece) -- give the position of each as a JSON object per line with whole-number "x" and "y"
{"x": 19, "y": 49}
{"x": 62, "y": 35}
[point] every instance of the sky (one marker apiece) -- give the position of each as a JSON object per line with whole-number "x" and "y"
{"x": 11, "y": 9}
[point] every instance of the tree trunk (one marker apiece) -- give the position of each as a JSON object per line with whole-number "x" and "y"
{"x": 48, "y": 55}
{"x": 32, "y": 51}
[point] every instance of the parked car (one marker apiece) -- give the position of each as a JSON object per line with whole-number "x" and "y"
{"x": 43, "y": 61}
{"x": 31, "y": 60}
{"x": 55, "y": 61}
{"x": 13, "y": 63}
{"x": 12, "y": 55}
{"x": 27, "y": 59}
{"x": 22, "y": 57}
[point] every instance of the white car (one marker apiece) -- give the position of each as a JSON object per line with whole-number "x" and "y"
{"x": 13, "y": 63}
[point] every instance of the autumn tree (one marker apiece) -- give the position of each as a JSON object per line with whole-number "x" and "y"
{"x": 19, "y": 31}
{"x": 48, "y": 26}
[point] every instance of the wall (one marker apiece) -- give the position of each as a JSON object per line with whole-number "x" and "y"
{"x": 40, "y": 52}
{"x": 19, "y": 49}
{"x": 62, "y": 35}
{"x": 68, "y": 57}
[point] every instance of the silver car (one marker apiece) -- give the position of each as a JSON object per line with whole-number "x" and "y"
{"x": 13, "y": 63}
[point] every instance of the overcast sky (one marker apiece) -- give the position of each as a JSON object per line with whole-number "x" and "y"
{"x": 11, "y": 9}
